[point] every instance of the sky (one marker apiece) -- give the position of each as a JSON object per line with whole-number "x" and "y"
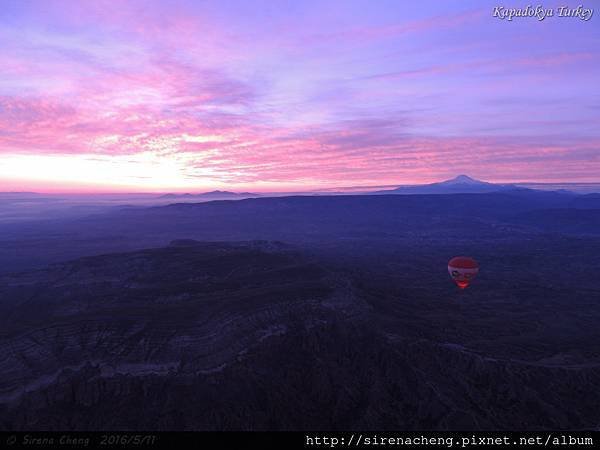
{"x": 186, "y": 96}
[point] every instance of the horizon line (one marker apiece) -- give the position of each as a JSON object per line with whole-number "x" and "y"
{"x": 340, "y": 189}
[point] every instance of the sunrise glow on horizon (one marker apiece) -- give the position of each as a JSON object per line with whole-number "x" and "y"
{"x": 266, "y": 96}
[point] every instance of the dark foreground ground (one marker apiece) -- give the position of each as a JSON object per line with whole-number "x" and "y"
{"x": 341, "y": 317}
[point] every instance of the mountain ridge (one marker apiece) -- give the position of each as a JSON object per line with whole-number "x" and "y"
{"x": 215, "y": 195}
{"x": 461, "y": 184}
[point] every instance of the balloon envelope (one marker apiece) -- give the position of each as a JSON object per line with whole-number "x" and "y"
{"x": 463, "y": 269}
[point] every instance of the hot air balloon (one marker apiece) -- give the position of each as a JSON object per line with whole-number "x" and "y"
{"x": 463, "y": 269}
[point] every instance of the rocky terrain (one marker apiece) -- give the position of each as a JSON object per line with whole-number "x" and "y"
{"x": 259, "y": 335}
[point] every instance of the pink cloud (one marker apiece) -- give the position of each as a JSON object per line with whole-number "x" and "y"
{"x": 250, "y": 99}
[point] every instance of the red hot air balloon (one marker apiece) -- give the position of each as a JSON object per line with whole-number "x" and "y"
{"x": 463, "y": 269}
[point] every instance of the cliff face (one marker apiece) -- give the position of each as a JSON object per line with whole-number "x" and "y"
{"x": 255, "y": 336}
{"x": 191, "y": 308}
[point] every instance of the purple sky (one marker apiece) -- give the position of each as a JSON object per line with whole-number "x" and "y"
{"x": 292, "y": 95}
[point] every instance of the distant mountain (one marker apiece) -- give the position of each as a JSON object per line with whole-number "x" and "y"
{"x": 462, "y": 184}
{"x": 227, "y": 194}
{"x": 212, "y": 195}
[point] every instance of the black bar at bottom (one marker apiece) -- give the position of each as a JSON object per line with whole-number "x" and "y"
{"x": 300, "y": 440}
